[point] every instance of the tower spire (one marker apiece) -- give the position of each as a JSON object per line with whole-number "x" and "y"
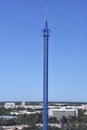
{"x": 46, "y": 11}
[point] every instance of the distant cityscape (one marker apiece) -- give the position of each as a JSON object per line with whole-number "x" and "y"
{"x": 56, "y": 110}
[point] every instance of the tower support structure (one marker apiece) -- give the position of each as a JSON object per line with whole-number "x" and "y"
{"x": 45, "y": 77}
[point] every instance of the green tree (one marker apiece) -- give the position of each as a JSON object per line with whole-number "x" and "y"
{"x": 52, "y": 120}
{"x": 64, "y": 119}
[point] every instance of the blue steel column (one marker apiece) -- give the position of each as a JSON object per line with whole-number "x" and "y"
{"x": 45, "y": 78}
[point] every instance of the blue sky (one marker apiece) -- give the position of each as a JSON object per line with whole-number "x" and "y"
{"x": 21, "y": 50}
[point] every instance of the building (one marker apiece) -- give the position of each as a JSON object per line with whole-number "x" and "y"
{"x": 9, "y": 105}
{"x": 58, "y": 113}
{"x": 23, "y": 104}
{"x": 84, "y": 107}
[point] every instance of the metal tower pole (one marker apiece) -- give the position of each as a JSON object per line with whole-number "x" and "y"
{"x": 45, "y": 77}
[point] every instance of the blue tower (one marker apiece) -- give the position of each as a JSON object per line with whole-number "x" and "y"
{"x": 45, "y": 77}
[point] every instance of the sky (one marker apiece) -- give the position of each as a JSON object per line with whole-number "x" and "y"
{"x": 21, "y": 50}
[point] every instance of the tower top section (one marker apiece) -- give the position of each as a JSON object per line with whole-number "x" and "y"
{"x": 46, "y": 30}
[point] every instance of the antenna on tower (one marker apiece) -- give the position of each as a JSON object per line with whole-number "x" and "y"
{"x": 46, "y": 17}
{"x": 46, "y": 11}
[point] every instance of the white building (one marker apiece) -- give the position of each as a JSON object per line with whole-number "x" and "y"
{"x": 58, "y": 113}
{"x": 23, "y": 104}
{"x": 9, "y": 105}
{"x": 84, "y": 106}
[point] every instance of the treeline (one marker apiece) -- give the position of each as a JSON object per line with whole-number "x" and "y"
{"x": 4, "y": 111}
{"x": 31, "y": 120}
{"x": 22, "y": 119}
